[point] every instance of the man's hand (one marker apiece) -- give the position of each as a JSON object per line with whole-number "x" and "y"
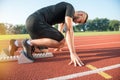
{"x": 75, "y": 60}
{"x": 58, "y": 49}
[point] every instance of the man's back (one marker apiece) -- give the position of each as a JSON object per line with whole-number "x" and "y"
{"x": 55, "y": 13}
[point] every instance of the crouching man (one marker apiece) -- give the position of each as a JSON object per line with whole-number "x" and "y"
{"x": 39, "y": 26}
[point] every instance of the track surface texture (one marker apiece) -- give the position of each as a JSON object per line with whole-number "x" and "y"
{"x": 96, "y": 52}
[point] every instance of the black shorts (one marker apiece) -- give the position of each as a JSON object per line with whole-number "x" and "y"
{"x": 40, "y": 29}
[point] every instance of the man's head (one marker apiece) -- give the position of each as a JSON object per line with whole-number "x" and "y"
{"x": 80, "y": 17}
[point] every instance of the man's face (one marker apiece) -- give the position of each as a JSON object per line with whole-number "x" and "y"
{"x": 80, "y": 18}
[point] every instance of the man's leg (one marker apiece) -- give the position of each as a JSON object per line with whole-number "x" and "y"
{"x": 47, "y": 42}
{"x": 28, "y": 44}
{"x": 42, "y": 34}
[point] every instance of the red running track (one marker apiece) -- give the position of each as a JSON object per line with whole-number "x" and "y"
{"x": 98, "y": 51}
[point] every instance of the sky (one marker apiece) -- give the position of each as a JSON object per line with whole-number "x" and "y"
{"x": 17, "y": 11}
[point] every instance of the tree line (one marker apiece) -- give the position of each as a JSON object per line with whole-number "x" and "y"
{"x": 6, "y": 28}
{"x": 97, "y": 24}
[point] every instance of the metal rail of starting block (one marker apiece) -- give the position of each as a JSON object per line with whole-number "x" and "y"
{"x": 15, "y": 58}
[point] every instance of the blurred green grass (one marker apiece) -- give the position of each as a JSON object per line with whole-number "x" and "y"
{"x": 17, "y": 36}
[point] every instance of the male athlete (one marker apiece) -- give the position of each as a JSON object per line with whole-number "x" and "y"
{"x": 39, "y": 26}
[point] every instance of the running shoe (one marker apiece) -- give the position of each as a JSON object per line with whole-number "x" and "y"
{"x": 12, "y": 47}
{"x": 27, "y": 49}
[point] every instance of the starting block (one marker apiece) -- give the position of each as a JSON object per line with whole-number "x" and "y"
{"x": 22, "y": 59}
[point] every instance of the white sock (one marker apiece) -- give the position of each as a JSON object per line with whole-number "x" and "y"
{"x": 28, "y": 41}
{"x": 16, "y": 43}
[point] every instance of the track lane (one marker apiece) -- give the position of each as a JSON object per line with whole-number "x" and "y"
{"x": 98, "y": 55}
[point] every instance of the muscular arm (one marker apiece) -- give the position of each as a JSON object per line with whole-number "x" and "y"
{"x": 70, "y": 42}
{"x": 70, "y": 34}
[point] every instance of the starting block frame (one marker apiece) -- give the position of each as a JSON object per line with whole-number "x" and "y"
{"x": 6, "y": 57}
{"x": 15, "y": 58}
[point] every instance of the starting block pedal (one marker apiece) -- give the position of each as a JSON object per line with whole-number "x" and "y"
{"x": 15, "y": 58}
{"x": 23, "y": 59}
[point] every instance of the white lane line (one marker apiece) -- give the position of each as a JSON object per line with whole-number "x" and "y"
{"x": 102, "y": 74}
{"x": 98, "y": 39}
{"x": 71, "y": 76}
{"x": 96, "y": 44}
{"x": 99, "y": 44}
